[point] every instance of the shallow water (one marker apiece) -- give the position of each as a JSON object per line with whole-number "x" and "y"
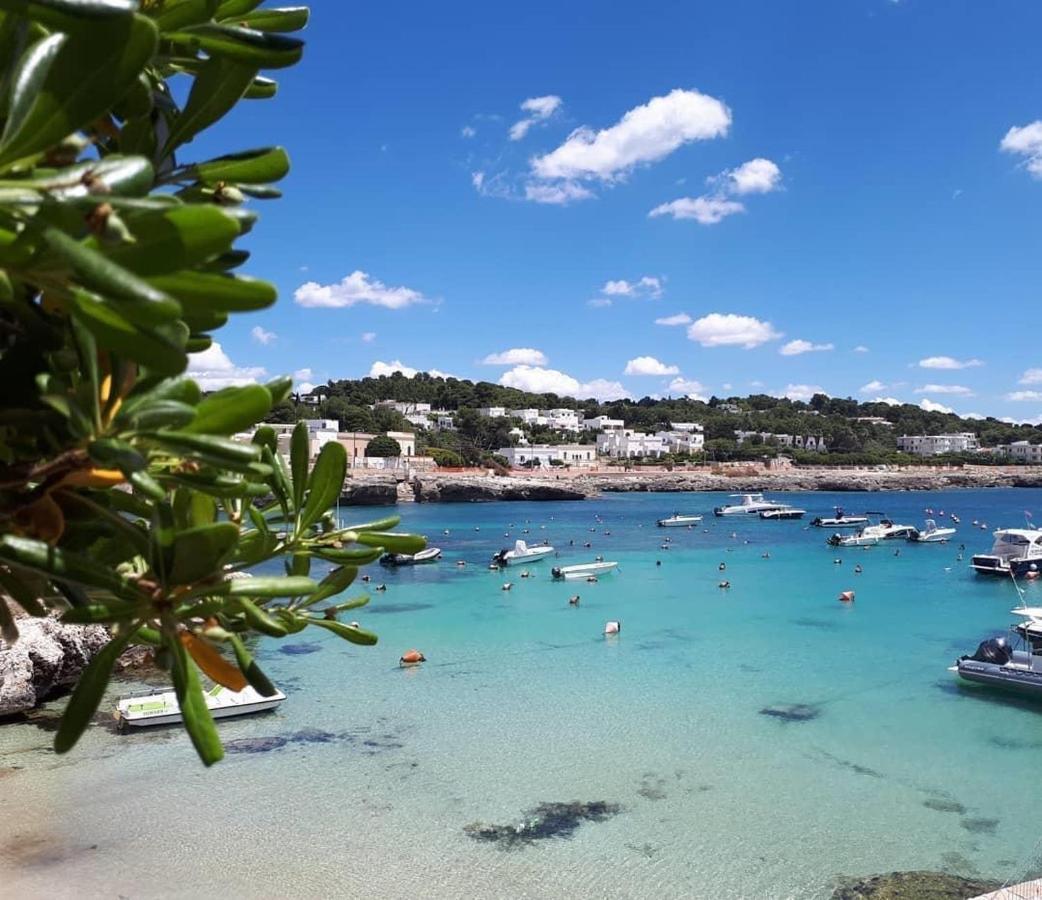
{"x": 758, "y": 741}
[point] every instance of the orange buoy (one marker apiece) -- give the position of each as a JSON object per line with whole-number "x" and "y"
{"x": 846, "y": 596}
{"x": 412, "y": 658}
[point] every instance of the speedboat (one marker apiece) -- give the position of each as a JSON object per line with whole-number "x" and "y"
{"x": 840, "y": 520}
{"x": 429, "y": 555}
{"x": 786, "y": 512}
{"x": 860, "y": 539}
{"x": 522, "y": 553}
{"x": 583, "y": 570}
{"x": 161, "y": 707}
{"x": 1014, "y": 665}
{"x": 931, "y": 534}
{"x": 1016, "y": 551}
{"x": 887, "y": 530}
{"x": 751, "y": 505}
{"x": 678, "y": 521}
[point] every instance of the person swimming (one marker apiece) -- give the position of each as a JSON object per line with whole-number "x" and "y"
{"x": 573, "y": 600}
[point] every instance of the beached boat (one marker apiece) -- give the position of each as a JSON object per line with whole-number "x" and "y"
{"x": 1016, "y": 551}
{"x": 840, "y": 520}
{"x": 522, "y": 553}
{"x": 1012, "y": 665}
{"x": 161, "y": 708}
{"x": 678, "y": 521}
{"x": 786, "y": 512}
{"x": 932, "y": 534}
{"x": 583, "y": 570}
{"x": 751, "y": 505}
{"x": 429, "y": 555}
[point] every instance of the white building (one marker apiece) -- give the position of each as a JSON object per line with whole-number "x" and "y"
{"x": 405, "y": 407}
{"x": 445, "y": 422}
{"x": 562, "y": 419}
{"x": 935, "y": 444}
{"x": 874, "y": 420}
{"x": 795, "y": 441}
{"x": 1022, "y": 452}
{"x": 492, "y": 412}
{"x": 683, "y": 441}
{"x": 601, "y": 423}
{"x": 687, "y": 426}
{"x": 629, "y": 444}
{"x": 519, "y": 435}
{"x": 321, "y": 425}
{"x": 543, "y": 455}
{"x": 528, "y": 416}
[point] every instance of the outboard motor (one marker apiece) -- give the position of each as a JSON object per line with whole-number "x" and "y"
{"x": 556, "y": 571}
{"x": 993, "y": 650}
{"x": 834, "y": 540}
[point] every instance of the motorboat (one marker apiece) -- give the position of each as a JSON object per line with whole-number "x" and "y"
{"x": 148, "y": 708}
{"x": 429, "y": 555}
{"x": 522, "y": 553}
{"x": 583, "y": 571}
{"x": 860, "y": 539}
{"x": 1016, "y": 552}
{"x": 678, "y": 521}
{"x": 932, "y": 534}
{"x": 886, "y": 530}
{"x": 786, "y": 512}
{"x": 751, "y": 505}
{"x": 1014, "y": 664}
{"x": 840, "y": 520}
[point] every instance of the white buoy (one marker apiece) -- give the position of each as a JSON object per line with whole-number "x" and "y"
{"x": 612, "y": 627}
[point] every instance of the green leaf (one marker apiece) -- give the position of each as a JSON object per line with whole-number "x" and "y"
{"x": 231, "y": 410}
{"x": 160, "y": 348}
{"x": 117, "y": 180}
{"x": 64, "y": 565}
{"x": 23, "y": 592}
{"x": 194, "y": 711}
{"x": 350, "y": 556}
{"x": 181, "y": 390}
{"x": 336, "y": 582}
{"x": 231, "y": 9}
{"x": 100, "y": 612}
{"x": 248, "y": 666}
{"x": 286, "y": 18}
{"x": 393, "y": 543}
{"x": 324, "y": 485}
{"x": 261, "y": 89}
{"x": 174, "y": 14}
{"x": 219, "y": 85}
{"x": 271, "y": 586}
{"x": 259, "y": 620}
{"x": 147, "y": 485}
{"x": 347, "y": 632}
{"x": 261, "y": 166}
{"x": 162, "y": 414}
{"x": 66, "y": 81}
{"x": 378, "y": 525}
{"x": 200, "y": 552}
{"x": 88, "y": 693}
{"x": 142, "y": 301}
{"x": 299, "y": 452}
{"x": 70, "y": 15}
{"x": 199, "y": 291}
{"x": 279, "y": 388}
{"x": 210, "y": 445}
{"x": 246, "y": 46}
{"x": 114, "y": 453}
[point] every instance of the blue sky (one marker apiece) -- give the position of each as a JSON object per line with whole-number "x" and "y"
{"x": 771, "y": 176}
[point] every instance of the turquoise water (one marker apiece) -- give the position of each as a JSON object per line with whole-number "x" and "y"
{"x": 375, "y": 771}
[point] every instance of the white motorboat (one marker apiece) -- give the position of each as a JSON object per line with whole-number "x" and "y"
{"x": 678, "y": 521}
{"x": 1016, "y": 551}
{"x": 861, "y": 539}
{"x": 786, "y": 512}
{"x": 583, "y": 570}
{"x": 932, "y": 534}
{"x": 887, "y": 530}
{"x": 429, "y": 555}
{"x": 522, "y": 553}
{"x": 161, "y": 707}
{"x": 751, "y": 505}
{"x": 840, "y": 520}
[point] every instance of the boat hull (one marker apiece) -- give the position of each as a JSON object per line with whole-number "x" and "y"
{"x": 1025, "y": 682}
{"x": 941, "y": 536}
{"x": 581, "y": 572}
{"x": 679, "y": 523}
{"x": 171, "y": 717}
{"x": 530, "y": 557}
{"x": 846, "y": 522}
{"x": 987, "y": 564}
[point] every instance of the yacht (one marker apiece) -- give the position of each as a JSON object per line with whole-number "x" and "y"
{"x": 1016, "y": 552}
{"x": 751, "y": 505}
{"x": 522, "y": 553}
{"x": 786, "y": 512}
{"x": 840, "y": 520}
{"x": 431, "y": 554}
{"x": 583, "y": 570}
{"x": 161, "y": 708}
{"x": 678, "y": 521}
{"x": 1015, "y": 664}
{"x": 932, "y": 534}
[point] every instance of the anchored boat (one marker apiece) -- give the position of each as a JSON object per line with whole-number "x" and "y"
{"x": 1014, "y": 665}
{"x": 431, "y": 554}
{"x": 1016, "y": 551}
{"x": 786, "y": 512}
{"x": 148, "y": 708}
{"x": 522, "y": 553}
{"x": 840, "y": 520}
{"x": 583, "y": 570}
{"x": 751, "y": 505}
{"x": 932, "y": 534}
{"x": 678, "y": 521}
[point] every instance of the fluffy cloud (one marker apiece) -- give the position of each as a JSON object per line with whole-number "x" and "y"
{"x": 644, "y": 135}
{"x": 539, "y": 109}
{"x": 212, "y": 369}
{"x": 538, "y": 380}
{"x": 1031, "y": 376}
{"x": 873, "y": 387}
{"x": 693, "y": 390}
{"x": 302, "y": 381}
{"x": 516, "y": 356}
{"x": 261, "y": 336}
{"x": 356, "y": 288}
{"x": 728, "y": 329}
{"x": 647, "y": 286}
{"x": 648, "y": 365}
{"x": 704, "y": 210}
{"x": 957, "y": 389}
{"x": 930, "y": 406}
{"x": 889, "y": 401}
{"x": 1020, "y": 396}
{"x": 678, "y": 319}
{"x": 379, "y": 368}
{"x": 558, "y": 193}
{"x": 758, "y": 176}
{"x": 467, "y": 132}
{"x": 1026, "y": 141}
{"x": 948, "y": 362}
{"x": 795, "y": 348}
{"x": 802, "y": 391}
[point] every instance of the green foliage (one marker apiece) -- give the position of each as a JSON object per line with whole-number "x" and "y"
{"x": 382, "y": 445}
{"x": 124, "y": 498}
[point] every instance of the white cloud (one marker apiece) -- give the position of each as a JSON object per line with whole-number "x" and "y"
{"x": 1026, "y": 141}
{"x": 648, "y": 365}
{"x": 478, "y": 180}
{"x": 646, "y": 286}
{"x": 693, "y": 390}
{"x": 302, "y": 380}
{"x": 261, "y": 336}
{"x": 728, "y": 329}
{"x": 678, "y": 319}
{"x": 1020, "y": 396}
{"x": 538, "y": 380}
{"x": 368, "y": 337}
{"x": 599, "y": 302}
{"x": 379, "y": 368}
{"x": 356, "y": 288}
{"x": 889, "y": 401}
{"x": 930, "y": 406}
{"x": 304, "y": 374}
{"x": 644, "y": 135}
{"x": 802, "y": 391}
{"x": 304, "y": 387}
{"x": 212, "y": 369}
{"x": 1031, "y": 376}
{"x": 957, "y": 389}
{"x": 704, "y": 210}
{"x": 516, "y": 356}
{"x": 861, "y": 348}
{"x": 539, "y": 109}
{"x": 467, "y": 131}
{"x": 559, "y": 193}
{"x": 948, "y": 362}
{"x": 873, "y": 387}
{"x": 795, "y": 348}
{"x": 758, "y": 176}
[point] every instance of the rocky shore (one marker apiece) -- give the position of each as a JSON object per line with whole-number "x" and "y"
{"x": 470, "y": 489}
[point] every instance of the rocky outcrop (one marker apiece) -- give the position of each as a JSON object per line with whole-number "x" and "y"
{"x": 475, "y": 489}
{"x": 369, "y": 490}
{"x": 913, "y": 886}
{"x": 46, "y": 657}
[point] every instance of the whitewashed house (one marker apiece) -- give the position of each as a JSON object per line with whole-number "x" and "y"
{"x": 629, "y": 444}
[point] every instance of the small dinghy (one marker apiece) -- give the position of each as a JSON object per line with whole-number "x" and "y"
{"x": 161, "y": 708}
{"x": 840, "y": 520}
{"x": 1012, "y": 666}
{"x": 431, "y": 554}
{"x": 522, "y": 553}
{"x": 583, "y": 570}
